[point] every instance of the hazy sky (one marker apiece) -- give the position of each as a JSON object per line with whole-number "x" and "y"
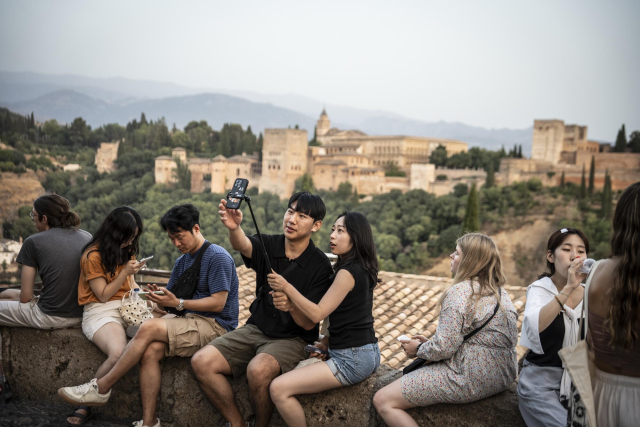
{"x": 486, "y": 63}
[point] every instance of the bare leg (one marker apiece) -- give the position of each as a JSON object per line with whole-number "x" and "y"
{"x": 150, "y": 331}
{"x": 112, "y": 340}
{"x": 210, "y": 368}
{"x": 310, "y": 379}
{"x": 150, "y": 381}
{"x": 391, "y": 405}
{"x": 260, "y": 372}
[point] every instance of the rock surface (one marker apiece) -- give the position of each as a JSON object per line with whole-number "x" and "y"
{"x": 37, "y": 363}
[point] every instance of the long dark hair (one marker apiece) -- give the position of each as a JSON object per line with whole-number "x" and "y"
{"x": 624, "y": 297}
{"x": 57, "y": 210}
{"x": 116, "y": 229}
{"x": 363, "y": 250}
{"x": 556, "y": 240}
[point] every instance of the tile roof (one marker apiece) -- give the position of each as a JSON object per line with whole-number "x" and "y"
{"x": 403, "y": 304}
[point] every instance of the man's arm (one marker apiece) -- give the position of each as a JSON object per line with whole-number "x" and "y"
{"x": 27, "y": 281}
{"x": 283, "y": 303}
{"x": 215, "y": 303}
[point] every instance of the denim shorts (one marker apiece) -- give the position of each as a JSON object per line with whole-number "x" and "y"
{"x": 355, "y": 364}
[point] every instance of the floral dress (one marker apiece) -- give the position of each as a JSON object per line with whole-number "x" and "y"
{"x": 484, "y": 365}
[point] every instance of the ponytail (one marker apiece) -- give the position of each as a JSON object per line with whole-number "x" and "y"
{"x": 56, "y": 209}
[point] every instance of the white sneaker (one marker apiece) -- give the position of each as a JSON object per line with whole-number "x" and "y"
{"x": 85, "y": 394}
{"x": 141, "y": 424}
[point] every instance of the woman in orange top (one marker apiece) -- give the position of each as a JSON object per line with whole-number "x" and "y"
{"x": 107, "y": 266}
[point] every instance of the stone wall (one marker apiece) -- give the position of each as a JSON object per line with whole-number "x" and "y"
{"x": 37, "y": 363}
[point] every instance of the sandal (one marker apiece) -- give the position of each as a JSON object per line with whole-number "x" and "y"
{"x": 83, "y": 417}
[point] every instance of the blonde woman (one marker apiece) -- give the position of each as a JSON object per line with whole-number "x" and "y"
{"x": 463, "y": 370}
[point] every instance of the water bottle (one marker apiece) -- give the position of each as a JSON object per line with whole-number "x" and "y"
{"x": 587, "y": 265}
{"x": 135, "y": 296}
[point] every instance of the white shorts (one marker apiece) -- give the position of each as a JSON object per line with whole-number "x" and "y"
{"x": 617, "y": 399}
{"x": 98, "y": 314}
{"x": 15, "y": 313}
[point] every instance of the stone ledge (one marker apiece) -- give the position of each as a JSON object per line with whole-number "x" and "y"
{"x": 39, "y": 362}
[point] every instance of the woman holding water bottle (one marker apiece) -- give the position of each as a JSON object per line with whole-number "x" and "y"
{"x": 107, "y": 266}
{"x": 551, "y": 314}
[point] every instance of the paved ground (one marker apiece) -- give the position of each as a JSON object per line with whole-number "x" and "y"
{"x": 21, "y": 413}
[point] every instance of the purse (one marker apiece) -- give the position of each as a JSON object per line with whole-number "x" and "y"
{"x": 579, "y": 362}
{"x": 134, "y": 311}
{"x": 421, "y": 362}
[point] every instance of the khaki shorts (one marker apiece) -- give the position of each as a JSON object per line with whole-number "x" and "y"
{"x": 243, "y": 344}
{"x": 190, "y": 333}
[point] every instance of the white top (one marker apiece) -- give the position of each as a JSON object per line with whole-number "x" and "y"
{"x": 539, "y": 294}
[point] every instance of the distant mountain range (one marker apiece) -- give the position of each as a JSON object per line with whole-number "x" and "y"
{"x": 101, "y": 101}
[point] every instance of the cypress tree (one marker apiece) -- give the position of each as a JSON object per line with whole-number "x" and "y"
{"x": 520, "y": 151}
{"x": 592, "y": 175}
{"x": 621, "y": 141}
{"x": 562, "y": 180}
{"x": 491, "y": 180}
{"x": 606, "y": 197}
{"x": 472, "y": 215}
{"x": 583, "y": 185}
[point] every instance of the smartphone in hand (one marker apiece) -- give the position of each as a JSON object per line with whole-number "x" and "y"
{"x": 314, "y": 349}
{"x": 239, "y": 188}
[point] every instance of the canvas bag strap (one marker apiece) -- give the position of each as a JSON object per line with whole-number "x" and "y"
{"x": 584, "y": 322}
{"x": 198, "y": 261}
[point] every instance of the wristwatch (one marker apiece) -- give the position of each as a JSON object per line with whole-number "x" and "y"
{"x": 180, "y": 306}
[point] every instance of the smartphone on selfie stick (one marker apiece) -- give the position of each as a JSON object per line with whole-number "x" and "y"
{"x": 234, "y": 200}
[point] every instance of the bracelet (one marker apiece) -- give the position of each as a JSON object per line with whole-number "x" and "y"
{"x": 562, "y": 293}
{"x": 559, "y": 302}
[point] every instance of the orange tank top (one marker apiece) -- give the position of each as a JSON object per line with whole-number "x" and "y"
{"x": 91, "y": 268}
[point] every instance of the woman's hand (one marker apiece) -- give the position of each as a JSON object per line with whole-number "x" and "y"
{"x": 420, "y": 338}
{"x": 574, "y": 277}
{"x": 410, "y": 347}
{"x": 277, "y": 282}
{"x": 323, "y": 344}
{"x": 281, "y": 301}
{"x": 131, "y": 267}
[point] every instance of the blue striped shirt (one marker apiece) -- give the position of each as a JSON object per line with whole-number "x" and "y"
{"x": 217, "y": 274}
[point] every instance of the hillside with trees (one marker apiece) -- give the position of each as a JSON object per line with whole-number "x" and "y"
{"x": 413, "y": 231}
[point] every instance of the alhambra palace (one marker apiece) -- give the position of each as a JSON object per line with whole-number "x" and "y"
{"x": 360, "y": 159}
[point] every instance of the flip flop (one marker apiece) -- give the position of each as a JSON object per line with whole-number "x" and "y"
{"x": 83, "y": 417}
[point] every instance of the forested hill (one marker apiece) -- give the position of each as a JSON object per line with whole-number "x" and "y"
{"x": 412, "y": 231}
{"x": 216, "y": 109}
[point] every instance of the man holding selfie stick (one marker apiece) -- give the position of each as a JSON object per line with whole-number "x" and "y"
{"x": 211, "y": 311}
{"x": 269, "y": 344}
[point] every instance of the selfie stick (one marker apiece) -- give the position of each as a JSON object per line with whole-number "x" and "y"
{"x": 247, "y": 199}
{"x": 264, "y": 249}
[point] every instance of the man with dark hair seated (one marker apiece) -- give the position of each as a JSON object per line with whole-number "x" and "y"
{"x": 210, "y": 313}
{"x": 273, "y": 339}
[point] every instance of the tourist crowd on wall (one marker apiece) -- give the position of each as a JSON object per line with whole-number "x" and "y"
{"x": 577, "y": 313}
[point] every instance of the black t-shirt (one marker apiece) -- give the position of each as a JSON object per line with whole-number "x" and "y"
{"x": 311, "y": 277}
{"x": 351, "y": 323}
{"x": 551, "y": 341}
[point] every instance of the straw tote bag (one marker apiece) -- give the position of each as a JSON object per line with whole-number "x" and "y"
{"x": 579, "y": 361}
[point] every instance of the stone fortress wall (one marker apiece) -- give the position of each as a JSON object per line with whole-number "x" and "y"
{"x": 344, "y": 156}
{"x": 359, "y": 159}
{"x": 558, "y": 148}
{"x": 106, "y": 156}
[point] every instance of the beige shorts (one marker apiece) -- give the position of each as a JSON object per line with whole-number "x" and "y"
{"x": 190, "y": 333}
{"x": 98, "y": 314}
{"x": 243, "y": 344}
